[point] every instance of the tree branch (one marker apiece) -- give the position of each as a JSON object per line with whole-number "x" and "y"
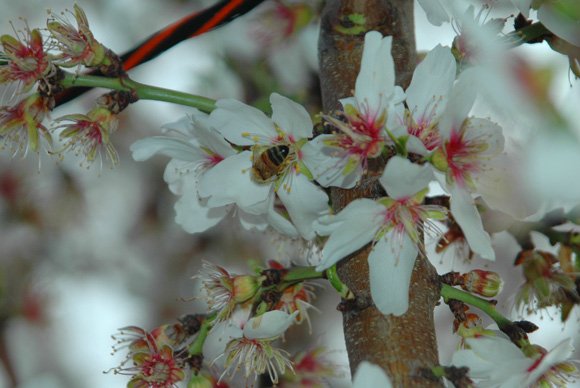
{"x": 400, "y": 345}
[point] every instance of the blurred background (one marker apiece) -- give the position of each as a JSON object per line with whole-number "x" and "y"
{"x": 84, "y": 252}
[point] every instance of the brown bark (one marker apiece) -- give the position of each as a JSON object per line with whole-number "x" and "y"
{"x": 400, "y": 345}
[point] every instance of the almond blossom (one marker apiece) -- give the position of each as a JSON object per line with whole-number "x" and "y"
{"x": 339, "y": 159}
{"x": 89, "y": 135}
{"x": 77, "y": 44}
{"x": 393, "y": 224}
{"x": 468, "y": 145}
{"x": 21, "y": 126}
{"x": 196, "y": 148}
{"x": 251, "y": 349}
{"x": 153, "y": 355}
{"x": 224, "y": 290}
{"x": 497, "y": 362}
{"x": 426, "y": 99}
{"x": 289, "y": 184}
{"x": 27, "y": 60}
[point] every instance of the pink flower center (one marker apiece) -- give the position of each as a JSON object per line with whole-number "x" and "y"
{"x": 30, "y": 62}
{"x": 214, "y": 159}
{"x": 309, "y": 363}
{"x": 367, "y": 140}
{"x": 424, "y": 132}
{"x": 461, "y": 157}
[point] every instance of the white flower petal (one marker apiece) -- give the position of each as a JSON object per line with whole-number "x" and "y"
{"x": 169, "y": 146}
{"x": 561, "y": 22}
{"x": 523, "y": 6}
{"x": 494, "y": 360}
{"x": 370, "y": 375}
{"x": 251, "y": 221}
{"x": 461, "y": 100}
{"x": 559, "y": 354}
{"x": 269, "y": 325}
{"x": 278, "y": 221}
{"x": 210, "y": 138}
{"x": 183, "y": 127}
{"x": 230, "y": 182}
{"x": 465, "y": 213}
{"x": 390, "y": 267}
{"x": 327, "y": 164}
{"x": 291, "y": 117}
{"x": 196, "y": 218}
{"x": 431, "y": 84}
{"x": 416, "y": 146}
{"x": 436, "y": 14}
{"x": 354, "y": 227}
{"x": 402, "y": 178}
{"x": 375, "y": 82}
{"x": 485, "y": 132}
{"x": 544, "y": 176}
{"x": 304, "y": 201}
{"x": 495, "y": 348}
{"x": 491, "y": 373}
{"x": 176, "y": 173}
{"x": 242, "y": 124}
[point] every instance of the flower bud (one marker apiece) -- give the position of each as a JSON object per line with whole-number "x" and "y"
{"x": 244, "y": 287}
{"x": 484, "y": 283}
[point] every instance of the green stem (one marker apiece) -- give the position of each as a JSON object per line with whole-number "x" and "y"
{"x": 448, "y": 292}
{"x": 337, "y": 284}
{"x": 438, "y": 371}
{"x": 144, "y": 92}
{"x": 196, "y": 346}
{"x": 298, "y": 274}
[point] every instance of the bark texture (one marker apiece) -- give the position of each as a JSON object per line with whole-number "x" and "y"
{"x": 400, "y": 345}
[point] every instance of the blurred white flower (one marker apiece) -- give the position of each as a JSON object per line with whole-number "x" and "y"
{"x": 497, "y": 362}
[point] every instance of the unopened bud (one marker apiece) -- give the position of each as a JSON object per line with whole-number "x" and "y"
{"x": 484, "y": 283}
{"x": 244, "y": 288}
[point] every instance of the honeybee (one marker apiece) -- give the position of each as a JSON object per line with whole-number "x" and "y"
{"x": 268, "y": 162}
{"x": 455, "y": 236}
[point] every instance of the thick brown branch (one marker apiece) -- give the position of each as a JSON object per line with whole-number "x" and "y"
{"x": 401, "y": 345}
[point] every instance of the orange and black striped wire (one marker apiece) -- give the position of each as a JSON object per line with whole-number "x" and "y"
{"x": 192, "y": 25}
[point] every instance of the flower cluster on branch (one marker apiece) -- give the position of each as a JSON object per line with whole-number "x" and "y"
{"x": 232, "y": 160}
